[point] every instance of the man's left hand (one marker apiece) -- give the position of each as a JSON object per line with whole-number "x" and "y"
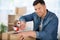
{"x": 23, "y": 35}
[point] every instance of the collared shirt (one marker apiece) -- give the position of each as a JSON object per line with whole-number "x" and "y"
{"x": 49, "y": 25}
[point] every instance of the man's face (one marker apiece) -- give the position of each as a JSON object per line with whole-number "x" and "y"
{"x": 40, "y": 9}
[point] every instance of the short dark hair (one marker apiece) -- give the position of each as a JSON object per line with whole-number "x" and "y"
{"x": 38, "y": 1}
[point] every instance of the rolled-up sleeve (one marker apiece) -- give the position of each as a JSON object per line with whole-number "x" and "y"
{"x": 37, "y": 35}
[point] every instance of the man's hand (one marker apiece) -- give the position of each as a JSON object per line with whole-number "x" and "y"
{"x": 27, "y": 34}
{"x": 22, "y": 25}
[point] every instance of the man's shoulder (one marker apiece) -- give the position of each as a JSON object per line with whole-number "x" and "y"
{"x": 52, "y": 15}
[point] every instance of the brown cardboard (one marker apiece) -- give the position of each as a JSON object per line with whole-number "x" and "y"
{"x": 11, "y": 36}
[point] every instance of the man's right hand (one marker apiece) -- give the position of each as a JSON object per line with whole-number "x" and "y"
{"x": 22, "y": 25}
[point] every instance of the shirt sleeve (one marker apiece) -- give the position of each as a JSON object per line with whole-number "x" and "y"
{"x": 27, "y": 17}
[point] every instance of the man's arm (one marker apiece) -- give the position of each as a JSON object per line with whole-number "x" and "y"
{"x": 27, "y": 17}
{"x": 46, "y": 34}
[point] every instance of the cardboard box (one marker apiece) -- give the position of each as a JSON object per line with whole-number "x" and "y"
{"x": 15, "y": 37}
{"x": 11, "y": 36}
{"x": 6, "y": 35}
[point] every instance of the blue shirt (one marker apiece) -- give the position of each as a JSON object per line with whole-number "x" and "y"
{"x": 49, "y": 25}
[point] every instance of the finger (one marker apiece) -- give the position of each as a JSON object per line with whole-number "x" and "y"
{"x": 21, "y": 38}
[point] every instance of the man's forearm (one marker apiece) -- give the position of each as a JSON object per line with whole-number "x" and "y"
{"x": 32, "y": 34}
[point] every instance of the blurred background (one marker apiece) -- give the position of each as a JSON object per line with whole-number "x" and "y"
{"x": 9, "y": 8}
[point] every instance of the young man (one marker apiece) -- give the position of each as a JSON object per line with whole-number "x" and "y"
{"x": 45, "y": 23}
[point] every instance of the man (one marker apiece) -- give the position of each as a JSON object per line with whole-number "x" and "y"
{"x": 45, "y": 23}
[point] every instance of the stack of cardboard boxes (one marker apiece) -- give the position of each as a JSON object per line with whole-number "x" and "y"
{"x": 11, "y": 36}
{"x": 12, "y": 18}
